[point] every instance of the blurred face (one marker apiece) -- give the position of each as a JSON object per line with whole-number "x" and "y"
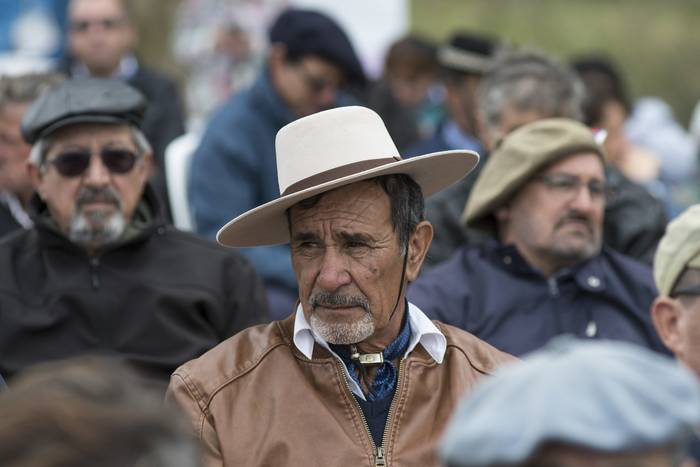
{"x": 410, "y": 86}
{"x": 92, "y": 206}
{"x": 556, "y": 219}
{"x": 100, "y": 34}
{"x": 348, "y": 264}
{"x": 14, "y": 176}
{"x": 560, "y": 455}
{"x": 462, "y": 102}
{"x": 308, "y": 85}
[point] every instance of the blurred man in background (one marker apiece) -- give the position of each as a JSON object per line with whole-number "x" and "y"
{"x": 463, "y": 59}
{"x": 578, "y": 404}
{"x": 409, "y": 71}
{"x": 90, "y": 412}
{"x": 102, "y": 39}
{"x": 16, "y": 187}
{"x": 519, "y": 88}
{"x": 234, "y": 169}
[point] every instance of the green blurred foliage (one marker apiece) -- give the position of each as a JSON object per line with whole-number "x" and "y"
{"x": 655, "y": 43}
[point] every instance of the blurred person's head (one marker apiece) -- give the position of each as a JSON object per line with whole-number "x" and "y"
{"x": 606, "y": 104}
{"x": 676, "y": 311}
{"x": 544, "y": 191}
{"x": 524, "y": 86}
{"x": 409, "y": 69}
{"x": 578, "y": 404}
{"x": 310, "y": 60}
{"x": 16, "y": 93}
{"x": 463, "y": 60}
{"x": 89, "y": 161}
{"x": 90, "y": 412}
{"x": 100, "y": 34}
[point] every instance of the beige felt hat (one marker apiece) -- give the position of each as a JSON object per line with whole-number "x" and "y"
{"x": 331, "y": 149}
{"x": 679, "y": 248}
{"x": 521, "y": 155}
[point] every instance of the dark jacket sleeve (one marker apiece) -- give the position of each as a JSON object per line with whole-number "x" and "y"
{"x": 3, "y": 386}
{"x": 635, "y": 221}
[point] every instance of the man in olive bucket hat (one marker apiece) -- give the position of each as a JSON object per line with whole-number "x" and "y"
{"x": 356, "y": 375}
{"x": 541, "y": 197}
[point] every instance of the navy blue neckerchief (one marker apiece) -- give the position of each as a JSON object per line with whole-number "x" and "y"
{"x": 385, "y": 377}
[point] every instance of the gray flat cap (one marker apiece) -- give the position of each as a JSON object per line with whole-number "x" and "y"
{"x": 88, "y": 100}
{"x": 605, "y": 396}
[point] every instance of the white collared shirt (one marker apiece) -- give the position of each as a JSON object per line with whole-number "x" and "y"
{"x": 423, "y": 331}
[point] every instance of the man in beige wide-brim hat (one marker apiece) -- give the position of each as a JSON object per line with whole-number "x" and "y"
{"x": 540, "y": 198}
{"x": 356, "y": 375}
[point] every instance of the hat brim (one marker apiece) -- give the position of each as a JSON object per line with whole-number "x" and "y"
{"x": 267, "y": 224}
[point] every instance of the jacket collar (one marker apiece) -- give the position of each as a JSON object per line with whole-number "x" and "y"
{"x": 423, "y": 331}
{"x": 589, "y": 275}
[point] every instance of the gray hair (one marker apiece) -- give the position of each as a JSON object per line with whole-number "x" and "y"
{"x": 27, "y": 87}
{"x": 529, "y": 81}
{"x": 37, "y": 156}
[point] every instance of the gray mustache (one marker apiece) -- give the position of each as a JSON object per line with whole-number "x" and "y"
{"x": 331, "y": 299}
{"x": 101, "y": 195}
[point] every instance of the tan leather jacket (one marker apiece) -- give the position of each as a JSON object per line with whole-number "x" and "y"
{"x": 255, "y": 400}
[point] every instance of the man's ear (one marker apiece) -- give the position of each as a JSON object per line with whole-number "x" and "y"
{"x": 666, "y": 314}
{"x": 418, "y": 245}
{"x": 36, "y": 176}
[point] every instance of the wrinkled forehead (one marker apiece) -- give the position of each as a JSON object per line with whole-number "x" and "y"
{"x": 364, "y": 203}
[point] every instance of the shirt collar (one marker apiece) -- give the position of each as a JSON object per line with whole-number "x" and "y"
{"x": 423, "y": 331}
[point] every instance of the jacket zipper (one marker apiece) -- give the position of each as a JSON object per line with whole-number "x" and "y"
{"x": 94, "y": 273}
{"x": 379, "y": 454}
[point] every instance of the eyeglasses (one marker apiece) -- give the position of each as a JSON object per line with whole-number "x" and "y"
{"x": 689, "y": 291}
{"x": 105, "y": 23}
{"x": 75, "y": 163}
{"x": 570, "y": 185}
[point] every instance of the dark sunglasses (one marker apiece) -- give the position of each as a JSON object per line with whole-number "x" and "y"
{"x": 75, "y": 163}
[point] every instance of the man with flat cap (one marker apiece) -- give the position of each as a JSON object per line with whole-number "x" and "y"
{"x": 676, "y": 311}
{"x": 100, "y": 271}
{"x": 309, "y": 63}
{"x": 578, "y": 404}
{"x": 356, "y": 375}
{"x": 540, "y": 198}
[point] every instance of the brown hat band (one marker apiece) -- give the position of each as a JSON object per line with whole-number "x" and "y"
{"x": 336, "y": 173}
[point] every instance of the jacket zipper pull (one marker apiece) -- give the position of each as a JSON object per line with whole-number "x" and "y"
{"x": 379, "y": 460}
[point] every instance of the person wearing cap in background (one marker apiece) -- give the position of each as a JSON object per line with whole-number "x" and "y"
{"x": 676, "y": 311}
{"x": 233, "y": 169}
{"x": 356, "y": 375}
{"x": 101, "y": 271}
{"x": 578, "y": 404}
{"x": 543, "y": 272}
{"x": 16, "y": 188}
{"x": 463, "y": 60}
